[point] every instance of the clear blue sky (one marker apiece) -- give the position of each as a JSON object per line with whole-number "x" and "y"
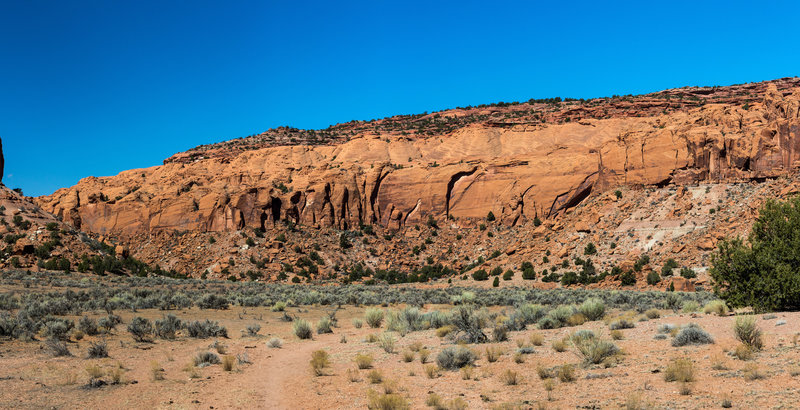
{"x": 97, "y": 87}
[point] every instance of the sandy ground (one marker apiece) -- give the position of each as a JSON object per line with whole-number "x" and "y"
{"x": 282, "y": 378}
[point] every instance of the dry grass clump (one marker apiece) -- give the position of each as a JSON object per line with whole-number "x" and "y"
{"x": 156, "y": 371}
{"x": 652, "y": 313}
{"x": 679, "y": 370}
{"x": 228, "y": 363}
{"x": 386, "y": 341}
{"x": 493, "y": 353}
{"x": 363, "y": 361}
{"x": 408, "y": 356}
{"x": 751, "y": 372}
{"x": 275, "y": 343}
{"x": 617, "y": 335}
{"x": 319, "y": 361}
{"x": 566, "y": 373}
{"x": 559, "y": 345}
{"x": 748, "y": 333}
{"x": 509, "y": 377}
{"x": 718, "y": 361}
{"x": 576, "y": 320}
{"x": 432, "y": 371}
{"x": 537, "y": 339}
{"x": 352, "y": 375}
{"x": 377, "y": 401}
{"x": 374, "y": 376}
{"x": 717, "y": 307}
{"x": 445, "y": 330}
{"x": 543, "y": 372}
{"x": 743, "y": 352}
{"x": 437, "y": 403}
{"x": 519, "y": 358}
{"x": 423, "y": 355}
{"x": 467, "y": 372}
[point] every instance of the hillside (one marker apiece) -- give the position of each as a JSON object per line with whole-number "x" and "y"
{"x": 546, "y": 170}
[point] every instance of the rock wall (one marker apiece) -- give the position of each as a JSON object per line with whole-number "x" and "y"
{"x": 516, "y": 172}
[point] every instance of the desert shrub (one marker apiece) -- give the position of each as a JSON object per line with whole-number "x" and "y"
{"x": 278, "y": 307}
{"x": 509, "y": 377}
{"x": 592, "y": 309}
{"x": 556, "y": 318}
{"x": 576, "y": 320}
{"x": 213, "y": 301}
{"x": 57, "y": 347}
{"x": 408, "y": 356}
{"x": 455, "y": 357}
{"x": 98, "y": 350}
{"x": 141, "y": 329}
{"x": 679, "y": 370}
{"x": 748, "y": 333}
{"x": 653, "y": 278}
{"x": 617, "y": 335}
{"x": 652, "y": 314}
{"x": 378, "y": 401}
{"x": 525, "y": 315}
{"x": 690, "y": 306}
{"x": 374, "y": 317}
{"x": 621, "y": 324}
{"x": 537, "y": 339}
{"x": 58, "y": 328}
{"x": 358, "y": 323}
{"x": 594, "y": 350}
{"x": 203, "y": 359}
{"x": 762, "y": 272}
{"x": 692, "y": 334}
{"x": 319, "y": 361}
{"x": 88, "y": 326}
{"x": 253, "y": 329}
{"x": 301, "y": 329}
{"x": 469, "y": 324}
{"x": 500, "y": 333}
{"x": 168, "y": 326}
{"x": 324, "y": 325}
{"x": 205, "y": 329}
{"x": 275, "y": 343}
{"x": 480, "y": 275}
{"x": 109, "y": 323}
{"x": 717, "y": 307}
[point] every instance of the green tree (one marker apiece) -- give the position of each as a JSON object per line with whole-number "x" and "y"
{"x": 763, "y": 272}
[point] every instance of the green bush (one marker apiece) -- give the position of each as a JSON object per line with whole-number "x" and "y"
{"x": 592, "y": 308}
{"x": 480, "y": 275}
{"x": 653, "y": 278}
{"x": 590, "y": 249}
{"x": 669, "y": 265}
{"x": 748, "y": 333}
{"x": 762, "y": 273}
{"x": 452, "y": 358}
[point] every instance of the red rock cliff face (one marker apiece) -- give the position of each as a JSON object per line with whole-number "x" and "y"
{"x": 518, "y": 171}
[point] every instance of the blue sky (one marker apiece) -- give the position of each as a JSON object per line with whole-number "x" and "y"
{"x": 98, "y": 87}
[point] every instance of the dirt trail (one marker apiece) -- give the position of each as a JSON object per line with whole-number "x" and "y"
{"x": 280, "y": 374}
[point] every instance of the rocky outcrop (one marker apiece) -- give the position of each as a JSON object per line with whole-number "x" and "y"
{"x": 516, "y": 171}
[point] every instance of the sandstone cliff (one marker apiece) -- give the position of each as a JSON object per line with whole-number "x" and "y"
{"x": 517, "y": 169}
